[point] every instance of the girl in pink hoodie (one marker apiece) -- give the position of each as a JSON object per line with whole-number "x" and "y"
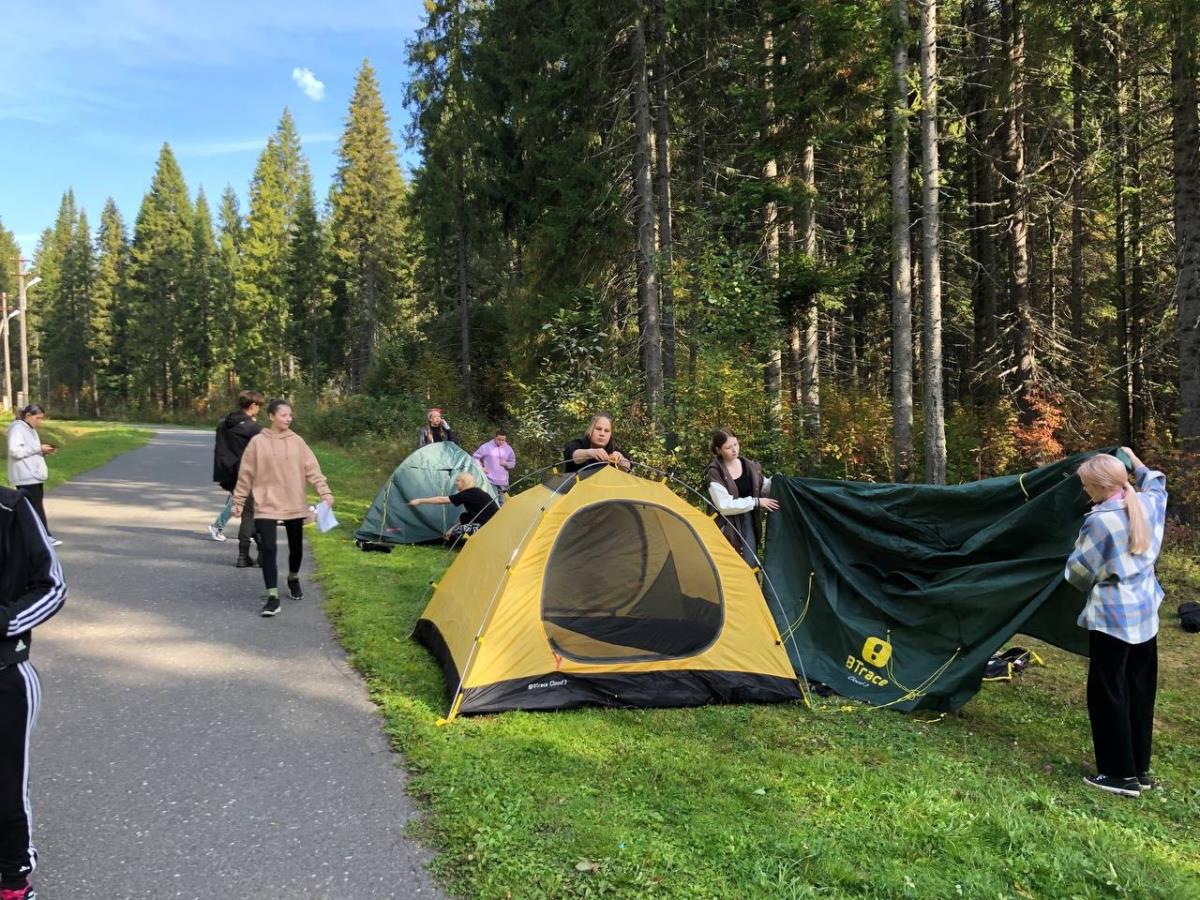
{"x": 276, "y": 469}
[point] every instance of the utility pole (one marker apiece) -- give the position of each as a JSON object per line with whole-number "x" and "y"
{"x": 7, "y": 355}
{"x": 23, "y": 397}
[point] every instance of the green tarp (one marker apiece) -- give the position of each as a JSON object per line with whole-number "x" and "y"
{"x": 897, "y": 595}
{"x": 429, "y": 472}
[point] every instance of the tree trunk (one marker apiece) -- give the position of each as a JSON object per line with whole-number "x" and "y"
{"x": 1137, "y": 282}
{"x": 666, "y": 241}
{"x": 980, "y": 125}
{"x": 1018, "y": 205}
{"x": 649, "y": 327}
{"x": 773, "y": 370}
{"x": 1078, "y": 161}
{"x": 1121, "y": 279}
{"x": 464, "y": 294}
{"x": 1185, "y": 138}
{"x": 902, "y": 366}
{"x": 935, "y": 419}
{"x": 810, "y": 372}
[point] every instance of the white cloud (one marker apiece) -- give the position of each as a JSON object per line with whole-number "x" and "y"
{"x": 308, "y": 83}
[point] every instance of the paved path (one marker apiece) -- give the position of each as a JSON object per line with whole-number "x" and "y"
{"x": 187, "y": 747}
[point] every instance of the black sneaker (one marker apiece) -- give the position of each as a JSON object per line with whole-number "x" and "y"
{"x": 1146, "y": 783}
{"x": 271, "y": 607}
{"x": 294, "y": 588}
{"x": 1126, "y": 787}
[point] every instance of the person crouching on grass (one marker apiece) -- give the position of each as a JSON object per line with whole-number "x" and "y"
{"x": 1113, "y": 561}
{"x": 274, "y": 469}
{"x": 478, "y": 506}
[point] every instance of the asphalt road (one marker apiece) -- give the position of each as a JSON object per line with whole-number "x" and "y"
{"x": 188, "y": 747}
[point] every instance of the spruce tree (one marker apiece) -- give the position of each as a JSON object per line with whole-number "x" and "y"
{"x": 227, "y": 313}
{"x": 308, "y": 288}
{"x": 158, "y": 270}
{"x": 53, "y": 308}
{"x": 107, "y": 319}
{"x": 367, "y": 201}
{"x": 280, "y": 179}
{"x": 198, "y": 315}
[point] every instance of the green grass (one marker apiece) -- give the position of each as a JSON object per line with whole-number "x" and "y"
{"x": 769, "y": 801}
{"x": 83, "y": 446}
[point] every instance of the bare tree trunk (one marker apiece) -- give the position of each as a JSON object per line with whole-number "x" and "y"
{"x": 464, "y": 298}
{"x": 773, "y": 370}
{"x": 1185, "y": 135}
{"x": 902, "y": 366}
{"x": 1121, "y": 280}
{"x": 980, "y": 124}
{"x": 649, "y": 327}
{"x": 1078, "y": 161}
{"x": 810, "y": 372}
{"x": 1018, "y": 205}
{"x": 1137, "y": 284}
{"x": 666, "y": 240}
{"x": 935, "y": 417}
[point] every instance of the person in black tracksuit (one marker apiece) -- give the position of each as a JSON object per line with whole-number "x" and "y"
{"x": 31, "y": 591}
{"x": 233, "y": 434}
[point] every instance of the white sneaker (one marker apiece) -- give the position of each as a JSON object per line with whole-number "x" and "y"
{"x": 216, "y": 534}
{"x": 55, "y": 542}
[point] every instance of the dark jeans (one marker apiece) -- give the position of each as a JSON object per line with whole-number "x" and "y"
{"x": 246, "y": 529}
{"x": 267, "y": 537}
{"x": 1121, "y": 685}
{"x": 20, "y": 695}
{"x": 36, "y": 493}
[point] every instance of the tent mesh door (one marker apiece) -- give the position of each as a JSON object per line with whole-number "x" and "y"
{"x": 628, "y": 581}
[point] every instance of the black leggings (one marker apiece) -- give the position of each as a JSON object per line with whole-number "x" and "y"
{"x": 34, "y": 493}
{"x": 267, "y": 530}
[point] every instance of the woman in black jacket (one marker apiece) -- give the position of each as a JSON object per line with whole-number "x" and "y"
{"x": 31, "y": 591}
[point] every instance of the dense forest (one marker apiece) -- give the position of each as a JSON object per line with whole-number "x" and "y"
{"x": 891, "y": 239}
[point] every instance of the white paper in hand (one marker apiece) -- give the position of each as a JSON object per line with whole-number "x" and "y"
{"x": 326, "y": 521}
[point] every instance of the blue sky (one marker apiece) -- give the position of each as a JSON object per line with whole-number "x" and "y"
{"x": 92, "y": 88}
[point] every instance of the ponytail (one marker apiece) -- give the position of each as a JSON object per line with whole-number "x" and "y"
{"x": 1139, "y": 529}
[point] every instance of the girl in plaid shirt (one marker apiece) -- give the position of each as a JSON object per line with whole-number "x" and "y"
{"x": 1113, "y": 561}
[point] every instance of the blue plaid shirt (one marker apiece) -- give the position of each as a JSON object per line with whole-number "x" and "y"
{"x": 1123, "y": 594}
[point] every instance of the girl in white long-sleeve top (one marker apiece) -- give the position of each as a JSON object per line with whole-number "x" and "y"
{"x": 736, "y": 488}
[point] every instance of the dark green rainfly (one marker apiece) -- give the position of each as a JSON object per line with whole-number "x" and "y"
{"x": 897, "y": 595}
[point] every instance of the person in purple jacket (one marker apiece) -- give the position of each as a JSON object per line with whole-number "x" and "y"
{"x": 496, "y": 458}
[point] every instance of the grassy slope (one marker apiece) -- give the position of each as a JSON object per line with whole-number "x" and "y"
{"x": 86, "y": 445}
{"x": 769, "y": 801}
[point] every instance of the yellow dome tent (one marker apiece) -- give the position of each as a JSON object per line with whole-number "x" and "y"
{"x": 602, "y": 590}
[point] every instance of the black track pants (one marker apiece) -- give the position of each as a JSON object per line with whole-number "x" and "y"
{"x": 267, "y": 530}
{"x": 1121, "y": 686}
{"x": 20, "y": 696}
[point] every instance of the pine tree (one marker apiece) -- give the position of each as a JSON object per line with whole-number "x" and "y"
{"x": 158, "y": 271}
{"x": 367, "y": 202}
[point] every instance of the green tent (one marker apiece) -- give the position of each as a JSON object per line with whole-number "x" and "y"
{"x": 429, "y": 472}
{"x": 897, "y": 595}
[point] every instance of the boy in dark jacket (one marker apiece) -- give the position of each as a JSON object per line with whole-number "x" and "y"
{"x": 233, "y": 434}
{"x": 31, "y": 591}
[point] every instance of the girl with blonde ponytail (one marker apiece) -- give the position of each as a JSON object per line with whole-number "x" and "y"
{"x": 1113, "y": 562}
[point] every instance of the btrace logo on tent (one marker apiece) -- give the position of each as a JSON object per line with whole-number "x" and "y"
{"x": 875, "y": 655}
